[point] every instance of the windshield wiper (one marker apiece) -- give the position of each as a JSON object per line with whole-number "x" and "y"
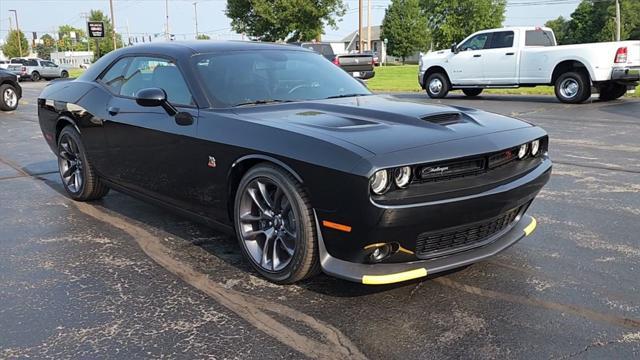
{"x": 346, "y": 95}
{"x": 263, "y": 101}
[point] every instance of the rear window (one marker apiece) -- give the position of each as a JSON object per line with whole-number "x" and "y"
{"x": 539, "y": 38}
{"x": 324, "y": 49}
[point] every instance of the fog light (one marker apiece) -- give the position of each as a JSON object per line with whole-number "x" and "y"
{"x": 522, "y": 152}
{"x": 380, "y": 253}
{"x": 535, "y": 147}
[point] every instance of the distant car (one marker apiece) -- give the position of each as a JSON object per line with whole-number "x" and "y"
{"x": 36, "y": 69}
{"x": 358, "y": 65}
{"x": 10, "y": 91}
{"x": 4, "y": 64}
{"x": 301, "y": 161}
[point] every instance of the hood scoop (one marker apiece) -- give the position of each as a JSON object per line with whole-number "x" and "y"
{"x": 445, "y": 118}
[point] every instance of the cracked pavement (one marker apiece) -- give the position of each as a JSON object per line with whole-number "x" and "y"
{"x": 119, "y": 278}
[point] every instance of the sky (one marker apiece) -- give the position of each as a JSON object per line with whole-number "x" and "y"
{"x": 148, "y": 16}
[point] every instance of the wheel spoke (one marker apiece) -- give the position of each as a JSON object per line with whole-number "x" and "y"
{"x": 277, "y": 199}
{"x": 249, "y": 218}
{"x": 284, "y": 246}
{"x": 256, "y": 200}
{"x": 275, "y": 260}
{"x": 69, "y": 171}
{"x": 265, "y": 194}
{"x": 265, "y": 254}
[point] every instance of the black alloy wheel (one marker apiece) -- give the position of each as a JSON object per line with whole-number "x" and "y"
{"x": 76, "y": 171}
{"x": 275, "y": 226}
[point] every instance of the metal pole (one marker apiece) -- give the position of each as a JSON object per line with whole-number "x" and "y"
{"x": 18, "y": 29}
{"x": 166, "y": 25}
{"x": 128, "y": 34}
{"x": 360, "y": 26}
{"x": 113, "y": 25}
{"x": 369, "y": 26}
{"x": 195, "y": 9}
{"x": 618, "y": 25}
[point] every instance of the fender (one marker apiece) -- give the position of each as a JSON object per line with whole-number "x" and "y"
{"x": 266, "y": 158}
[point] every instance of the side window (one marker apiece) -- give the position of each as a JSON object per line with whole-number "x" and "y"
{"x": 149, "y": 72}
{"x": 478, "y": 42}
{"x": 32, "y": 62}
{"x": 114, "y": 77}
{"x": 502, "y": 39}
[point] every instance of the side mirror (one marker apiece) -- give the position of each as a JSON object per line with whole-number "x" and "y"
{"x": 454, "y": 48}
{"x": 153, "y": 97}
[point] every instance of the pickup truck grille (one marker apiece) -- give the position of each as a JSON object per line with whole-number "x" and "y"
{"x": 445, "y": 242}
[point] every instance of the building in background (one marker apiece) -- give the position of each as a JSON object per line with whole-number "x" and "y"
{"x": 72, "y": 58}
{"x": 376, "y": 45}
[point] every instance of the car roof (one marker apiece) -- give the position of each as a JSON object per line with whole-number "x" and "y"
{"x": 205, "y": 46}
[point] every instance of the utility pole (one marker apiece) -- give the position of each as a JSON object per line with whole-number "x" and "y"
{"x": 195, "y": 9}
{"x": 113, "y": 25}
{"x": 166, "y": 25}
{"x": 18, "y": 29}
{"x": 618, "y": 25}
{"x": 129, "y": 42}
{"x": 86, "y": 20}
{"x": 368, "y": 25}
{"x": 360, "y": 42}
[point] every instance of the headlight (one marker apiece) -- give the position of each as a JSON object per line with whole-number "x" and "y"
{"x": 402, "y": 176}
{"x": 522, "y": 151}
{"x": 535, "y": 146}
{"x": 379, "y": 182}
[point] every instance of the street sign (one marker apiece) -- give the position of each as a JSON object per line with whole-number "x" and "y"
{"x": 95, "y": 29}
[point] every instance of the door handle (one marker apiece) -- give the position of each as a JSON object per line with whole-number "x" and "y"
{"x": 510, "y": 54}
{"x": 477, "y": 55}
{"x": 113, "y": 110}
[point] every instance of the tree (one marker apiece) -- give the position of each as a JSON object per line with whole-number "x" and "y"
{"x": 203, "y": 37}
{"x": 46, "y": 47}
{"x": 14, "y": 41}
{"x": 452, "y": 20}
{"x": 290, "y": 20}
{"x": 67, "y": 42}
{"x": 405, "y": 27}
{"x": 106, "y": 43}
{"x": 559, "y": 27}
{"x": 593, "y": 21}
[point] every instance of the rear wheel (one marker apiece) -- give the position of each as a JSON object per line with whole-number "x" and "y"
{"x": 437, "y": 86}
{"x": 472, "y": 92}
{"x": 35, "y": 76}
{"x": 64, "y": 74}
{"x": 8, "y": 98}
{"x": 76, "y": 170}
{"x": 275, "y": 225}
{"x": 612, "y": 91}
{"x": 573, "y": 87}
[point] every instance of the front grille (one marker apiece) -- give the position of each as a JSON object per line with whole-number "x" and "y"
{"x": 440, "y": 243}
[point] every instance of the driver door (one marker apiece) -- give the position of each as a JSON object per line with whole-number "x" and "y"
{"x": 149, "y": 152}
{"x": 466, "y": 67}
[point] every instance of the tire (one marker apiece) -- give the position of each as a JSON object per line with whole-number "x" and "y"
{"x": 35, "y": 76}
{"x": 8, "y": 98}
{"x": 64, "y": 74}
{"x": 472, "y": 92}
{"x": 612, "y": 91}
{"x": 573, "y": 87}
{"x": 437, "y": 85}
{"x": 297, "y": 256}
{"x": 81, "y": 183}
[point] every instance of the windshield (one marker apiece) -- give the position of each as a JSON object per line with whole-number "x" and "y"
{"x": 264, "y": 76}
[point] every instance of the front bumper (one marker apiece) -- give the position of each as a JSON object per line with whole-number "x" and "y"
{"x": 626, "y": 74}
{"x": 388, "y": 273}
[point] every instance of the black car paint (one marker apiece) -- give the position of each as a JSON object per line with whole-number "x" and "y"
{"x": 331, "y": 146}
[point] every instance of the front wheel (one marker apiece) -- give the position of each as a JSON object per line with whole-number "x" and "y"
{"x": 612, "y": 91}
{"x": 274, "y": 224}
{"x": 437, "y": 86}
{"x": 573, "y": 87}
{"x": 76, "y": 170}
{"x": 472, "y": 92}
{"x": 8, "y": 98}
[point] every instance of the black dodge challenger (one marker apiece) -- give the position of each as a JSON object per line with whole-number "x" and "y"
{"x": 309, "y": 169}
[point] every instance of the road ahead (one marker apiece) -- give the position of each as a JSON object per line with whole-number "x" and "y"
{"x": 122, "y": 279}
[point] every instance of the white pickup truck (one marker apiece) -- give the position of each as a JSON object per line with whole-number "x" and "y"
{"x": 529, "y": 56}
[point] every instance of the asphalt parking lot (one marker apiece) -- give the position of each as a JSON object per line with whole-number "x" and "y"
{"x": 122, "y": 279}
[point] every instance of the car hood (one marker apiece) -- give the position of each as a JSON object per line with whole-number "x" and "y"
{"x": 381, "y": 124}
